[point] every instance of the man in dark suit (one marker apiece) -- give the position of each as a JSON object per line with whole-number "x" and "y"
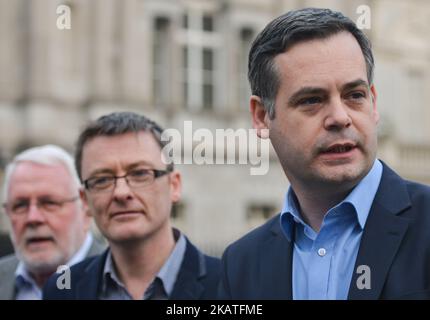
{"x": 130, "y": 189}
{"x": 49, "y": 224}
{"x": 350, "y": 228}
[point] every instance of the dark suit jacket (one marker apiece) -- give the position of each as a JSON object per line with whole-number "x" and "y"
{"x": 395, "y": 245}
{"x": 9, "y": 264}
{"x": 198, "y": 278}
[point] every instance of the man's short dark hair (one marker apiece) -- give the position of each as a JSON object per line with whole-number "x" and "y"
{"x": 114, "y": 124}
{"x": 289, "y": 29}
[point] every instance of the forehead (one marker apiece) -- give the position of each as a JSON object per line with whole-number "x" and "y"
{"x": 29, "y": 178}
{"x": 120, "y": 151}
{"x": 337, "y": 59}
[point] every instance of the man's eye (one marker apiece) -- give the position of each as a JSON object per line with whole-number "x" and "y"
{"x": 310, "y": 101}
{"x": 20, "y": 205}
{"x": 101, "y": 180}
{"x": 139, "y": 173}
{"x": 357, "y": 95}
{"x": 49, "y": 204}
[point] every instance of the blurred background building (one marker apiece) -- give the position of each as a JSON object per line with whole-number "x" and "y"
{"x": 178, "y": 60}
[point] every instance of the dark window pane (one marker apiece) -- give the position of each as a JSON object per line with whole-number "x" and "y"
{"x": 161, "y": 61}
{"x": 185, "y": 92}
{"x": 207, "y": 96}
{"x": 161, "y": 23}
{"x": 185, "y": 21}
{"x": 185, "y": 57}
{"x": 208, "y": 23}
{"x": 207, "y": 59}
{"x": 185, "y": 75}
{"x": 246, "y": 34}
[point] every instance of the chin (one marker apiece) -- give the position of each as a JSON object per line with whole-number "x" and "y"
{"x": 41, "y": 265}
{"x": 126, "y": 235}
{"x": 343, "y": 175}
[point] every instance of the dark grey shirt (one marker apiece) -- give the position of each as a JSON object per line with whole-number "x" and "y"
{"x": 159, "y": 289}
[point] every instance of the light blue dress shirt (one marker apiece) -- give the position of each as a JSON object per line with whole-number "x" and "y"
{"x": 323, "y": 262}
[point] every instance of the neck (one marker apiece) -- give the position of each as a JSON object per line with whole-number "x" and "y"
{"x": 314, "y": 204}
{"x": 138, "y": 262}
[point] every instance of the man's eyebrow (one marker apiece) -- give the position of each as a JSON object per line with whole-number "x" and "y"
{"x": 355, "y": 84}
{"x": 139, "y": 163}
{"x": 99, "y": 171}
{"x": 306, "y": 91}
{"x": 319, "y": 91}
{"x": 19, "y": 199}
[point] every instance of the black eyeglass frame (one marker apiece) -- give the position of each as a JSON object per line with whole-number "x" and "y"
{"x": 156, "y": 173}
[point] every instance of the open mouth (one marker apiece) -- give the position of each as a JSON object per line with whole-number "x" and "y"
{"x": 339, "y": 148}
{"x": 39, "y": 240}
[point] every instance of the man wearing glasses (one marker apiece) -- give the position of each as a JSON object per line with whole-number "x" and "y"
{"x": 130, "y": 190}
{"x": 48, "y": 220}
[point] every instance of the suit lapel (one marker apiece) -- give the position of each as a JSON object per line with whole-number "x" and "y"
{"x": 382, "y": 236}
{"x": 88, "y": 285}
{"x": 276, "y": 265}
{"x": 193, "y": 267}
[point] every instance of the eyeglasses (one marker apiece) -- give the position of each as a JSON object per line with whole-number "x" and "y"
{"x": 21, "y": 207}
{"x": 136, "y": 178}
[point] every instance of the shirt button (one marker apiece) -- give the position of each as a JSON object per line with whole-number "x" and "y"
{"x": 322, "y": 252}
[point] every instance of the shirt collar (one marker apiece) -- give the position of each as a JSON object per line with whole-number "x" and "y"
{"x": 361, "y": 198}
{"x": 25, "y": 285}
{"x": 169, "y": 271}
{"x": 167, "y": 274}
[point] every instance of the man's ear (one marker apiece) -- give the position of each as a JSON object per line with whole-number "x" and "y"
{"x": 175, "y": 186}
{"x": 87, "y": 216}
{"x": 84, "y": 201}
{"x": 374, "y": 108}
{"x": 260, "y": 117}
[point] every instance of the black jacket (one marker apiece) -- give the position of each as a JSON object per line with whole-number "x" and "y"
{"x": 198, "y": 278}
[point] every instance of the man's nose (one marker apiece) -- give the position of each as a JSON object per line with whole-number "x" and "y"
{"x": 122, "y": 190}
{"x": 35, "y": 215}
{"x": 338, "y": 116}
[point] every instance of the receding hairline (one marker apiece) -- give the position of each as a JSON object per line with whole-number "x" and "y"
{"x": 56, "y": 164}
{"x": 137, "y": 133}
{"x": 146, "y": 132}
{"x": 276, "y": 57}
{"x": 48, "y": 155}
